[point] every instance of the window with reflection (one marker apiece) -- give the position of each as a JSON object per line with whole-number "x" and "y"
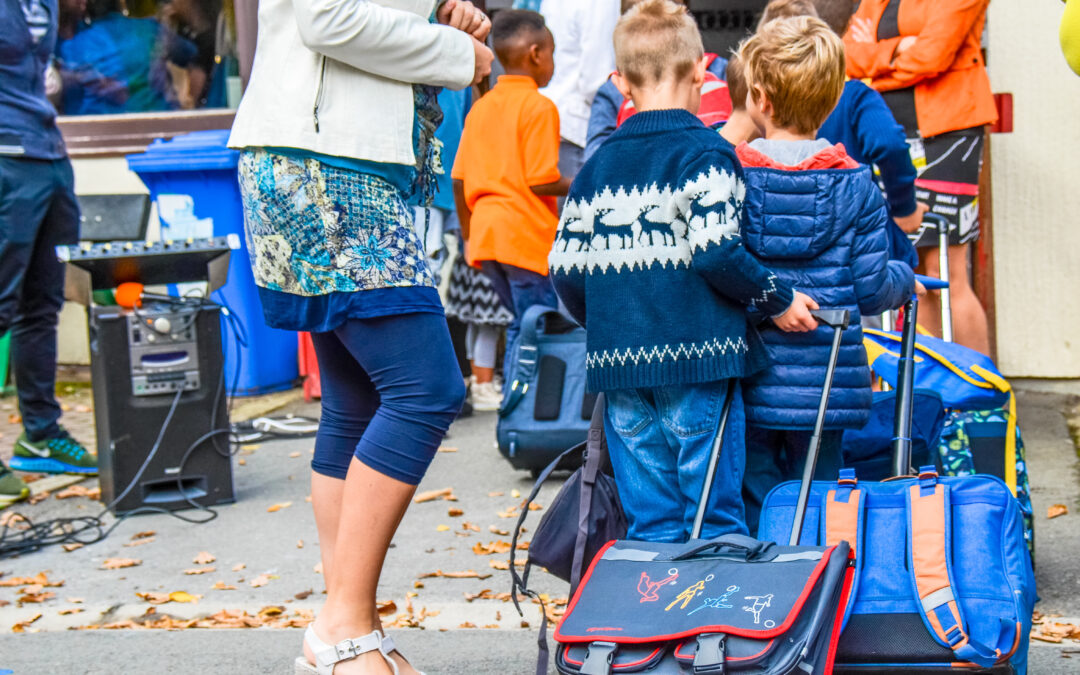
{"x": 145, "y": 56}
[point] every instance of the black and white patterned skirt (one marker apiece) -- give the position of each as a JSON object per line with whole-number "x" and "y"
{"x": 471, "y": 298}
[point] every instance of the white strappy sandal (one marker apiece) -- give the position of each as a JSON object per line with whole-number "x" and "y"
{"x": 327, "y": 656}
{"x": 388, "y": 646}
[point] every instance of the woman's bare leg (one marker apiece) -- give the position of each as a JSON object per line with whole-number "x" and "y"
{"x": 970, "y": 325}
{"x": 372, "y": 506}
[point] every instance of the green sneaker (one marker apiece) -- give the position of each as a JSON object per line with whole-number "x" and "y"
{"x": 59, "y": 454}
{"x": 12, "y": 489}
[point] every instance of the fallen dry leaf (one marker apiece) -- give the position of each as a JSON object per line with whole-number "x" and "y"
{"x": 533, "y": 506}
{"x": 272, "y": 610}
{"x": 1046, "y": 638}
{"x": 72, "y": 547}
{"x": 480, "y": 548}
{"x": 279, "y": 506}
{"x": 71, "y": 610}
{"x": 222, "y": 586}
{"x": 41, "y": 578}
{"x": 515, "y": 493}
{"x": 499, "y": 493}
{"x": 154, "y": 598}
{"x": 299, "y": 543}
{"x": 467, "y": 574}
{"x": 241, "y": 461}
{"x": 200, "y": 570}
{"x": 260, "y": 581}
{"x": 17, "y": 419}
{"x": 501, "y": 533}
{"x": 204, "y": 558}
{"x": 294, "y": 454}
{"x": 386, "y": 607}
{"x": 144, "y": 534}
{"x": 140, "y": 542}
{"x": 237, "y": 567}
{"x": 318, "y": 568}
{"x": 183, "y": 596}
{"x": 511, "y": 512}
{"x": 467, "y": 624}
{"x": 470, "y": 526}
{"x": 432, "y": 495}
{"x": 455, "y": 512}
{"x": 303, "y": 595}
{"x": 446, "y": 449}
{"x": 1057, "y": 510}
{"x": 75, "y": 601}
{"x": 79, "y": 491}
{"x": 442, "y": 528}
{"x": 21, "y": 626}
{"x": 505, "y": 564}
{"x": 119, "y": 563}
{"x": 34, "y": 598}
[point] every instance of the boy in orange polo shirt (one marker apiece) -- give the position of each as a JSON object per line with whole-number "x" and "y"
{"x": 506, "y": 174}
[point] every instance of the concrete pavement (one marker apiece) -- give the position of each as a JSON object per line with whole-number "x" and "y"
{"x": 268, "y": 544}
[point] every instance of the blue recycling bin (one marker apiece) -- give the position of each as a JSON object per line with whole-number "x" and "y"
{"x": 192, "y": 179}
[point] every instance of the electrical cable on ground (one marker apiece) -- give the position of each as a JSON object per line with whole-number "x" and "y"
{"x": 20, "y": 535}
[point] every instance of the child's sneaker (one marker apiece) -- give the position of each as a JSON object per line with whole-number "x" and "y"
{"x": 486, "y": 397}
{"x": 12, "y": 489}
{"x": 59, "y": 454}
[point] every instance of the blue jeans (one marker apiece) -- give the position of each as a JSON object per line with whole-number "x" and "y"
{"x": 38, "y": 212}
{"x": 391, "y": 387}
{"x": 660, "y": 441}
{"x": 518, "y": 290}
{"x": 775, "y": 456}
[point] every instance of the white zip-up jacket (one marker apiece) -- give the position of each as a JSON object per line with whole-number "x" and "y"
{"x": 335, "y": 76}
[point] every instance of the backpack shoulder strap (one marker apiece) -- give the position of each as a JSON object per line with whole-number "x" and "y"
{"x": 843, "y": 521}
{"x": 595, "y": 456}
{"x": 929, "y": 531}
{"x": 525, "y": 356}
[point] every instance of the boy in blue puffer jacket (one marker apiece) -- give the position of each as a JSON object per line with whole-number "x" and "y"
{"x": 648, "y": 258}
{"x": 816, "y": 218}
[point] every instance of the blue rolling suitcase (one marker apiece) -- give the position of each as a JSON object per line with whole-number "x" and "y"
{"x": 943, "y": 581}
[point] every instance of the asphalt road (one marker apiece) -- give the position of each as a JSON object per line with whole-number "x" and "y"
{"x": 269, "y": 543}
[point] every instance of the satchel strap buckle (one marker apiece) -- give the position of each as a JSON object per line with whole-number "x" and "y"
{"x": 598, "y": 658}
{"x": 711, "y": 653}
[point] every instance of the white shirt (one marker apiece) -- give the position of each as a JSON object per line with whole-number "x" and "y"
{"x": 584, "y": 58}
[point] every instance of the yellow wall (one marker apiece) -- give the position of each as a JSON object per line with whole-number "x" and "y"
{"x": 1036, "y": 174}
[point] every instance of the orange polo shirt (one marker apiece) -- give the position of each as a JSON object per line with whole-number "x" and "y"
{"x": 510, "y": 142}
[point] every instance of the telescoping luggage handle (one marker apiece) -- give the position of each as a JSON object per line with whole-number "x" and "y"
{"x": 838, "y": 320}
{"x": 942, "y": 226}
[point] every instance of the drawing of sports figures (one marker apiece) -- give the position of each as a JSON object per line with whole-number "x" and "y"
{"x": 649, "y": 588}
{"x": 761, "y": 602}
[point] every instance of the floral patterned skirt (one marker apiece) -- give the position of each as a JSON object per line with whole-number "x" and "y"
{"x": 313, "y": 229}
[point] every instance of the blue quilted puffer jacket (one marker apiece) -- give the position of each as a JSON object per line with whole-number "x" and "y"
{"x": 820, "y": 226}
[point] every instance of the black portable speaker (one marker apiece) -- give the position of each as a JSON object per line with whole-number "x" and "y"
{"x": 139, "y": 360}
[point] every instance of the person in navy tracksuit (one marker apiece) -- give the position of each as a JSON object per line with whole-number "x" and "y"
{"x": 38, "y": 212}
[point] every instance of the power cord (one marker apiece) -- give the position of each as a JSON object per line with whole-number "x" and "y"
{"x": 20, "y": 535}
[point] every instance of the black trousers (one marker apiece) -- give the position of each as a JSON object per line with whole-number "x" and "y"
{"x": 38, "y": 212}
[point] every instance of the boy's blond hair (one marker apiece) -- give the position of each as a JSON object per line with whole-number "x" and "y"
{"x": 654, "y": 40}
{"x": 627, "y": 4}
{"x": 782, "y": 9}
{"x": 799, "y": 65}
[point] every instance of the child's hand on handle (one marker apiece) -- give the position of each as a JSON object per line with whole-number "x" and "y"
{"x": 797, "y": 318}
{"x": 911, "y": 223}
{"x": 464, "y": 16}
{"x": 920, "y": 290}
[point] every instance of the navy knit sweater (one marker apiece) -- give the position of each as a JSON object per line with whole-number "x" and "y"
{"x": 648, "y": 258}
{"x": 865, "y": 126}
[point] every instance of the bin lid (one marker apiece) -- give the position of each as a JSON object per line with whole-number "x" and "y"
{"x": 195, "y": 151}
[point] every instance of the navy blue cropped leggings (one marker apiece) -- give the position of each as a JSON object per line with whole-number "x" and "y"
{"x": 391, "y": 386}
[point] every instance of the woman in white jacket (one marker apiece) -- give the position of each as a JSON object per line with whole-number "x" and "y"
{"x": 336, "y": 129}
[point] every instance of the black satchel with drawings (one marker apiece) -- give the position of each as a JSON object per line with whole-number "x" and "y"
{"x": 583, "y": 518}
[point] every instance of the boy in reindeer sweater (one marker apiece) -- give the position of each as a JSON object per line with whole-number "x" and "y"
{"x": 648, "y": 258}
